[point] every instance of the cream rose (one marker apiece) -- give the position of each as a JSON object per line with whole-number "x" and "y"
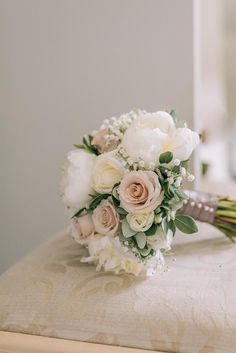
{"x": 107, "y": 172}
{"x": 82, "y": 228}
{"x": 100, "y": 142}
{"x": 140, "y": 222}
{"x": 140, "y": 192}
{"x": 145, "y": 137}
{"x": 106, "y": 219}
{"x": 77, "y": 179}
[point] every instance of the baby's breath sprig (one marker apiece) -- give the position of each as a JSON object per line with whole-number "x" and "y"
{"x": 116, "y": 127}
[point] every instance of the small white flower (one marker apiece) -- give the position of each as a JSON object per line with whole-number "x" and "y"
{"x": 178, "y": 182}
{"x": 171, "y": 180}
{"x": 130, "y": 161}
{"x": 112, "y": 137}
{"x": 190, "y": 177}
{"x": 176, "y": 162}
{"x": 141, "y": 164}
{"x": 152, "y": 166}
{"x": 183, "y": 171}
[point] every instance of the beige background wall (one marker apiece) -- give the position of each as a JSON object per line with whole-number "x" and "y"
{"x": 66, "y": 65}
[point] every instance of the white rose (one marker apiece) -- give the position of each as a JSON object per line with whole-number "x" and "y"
{"x": 140, "y": 222}
{"x": 107, "y": 172}
{"x": 77, "y": 178}
{"x": 182, "y": 143}
{"x": 145, "y": 137}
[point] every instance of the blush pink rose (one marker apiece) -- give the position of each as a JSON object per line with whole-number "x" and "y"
{"x": 106, "y": 219}
{"x": 82, "y": 228}
{"x": 100, "y": 142}
{"x": 140, "y": 191}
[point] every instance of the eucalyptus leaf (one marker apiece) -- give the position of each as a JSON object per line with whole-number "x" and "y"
{"x": 141, "y": 240}
{"x": 121, "y": 237}
{"x": 186, "y": 224}
{"x": 181, "y": 194}
{"x": 126, "y": 230}
{"x": 166, "y": 157}
{"x": 175, "y": 205}
{"x": 146, "y": 250}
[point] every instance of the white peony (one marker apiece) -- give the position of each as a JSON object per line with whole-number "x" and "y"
{"x": 107, "y": 172}
{"x": 140, "y": 222}
{"x": 108, "y": 253}
{"x": 152, "y": 134}
{"x": 145, "y": 137}
{"x": 182, "y": 143}
{"x": 77, "y": 178}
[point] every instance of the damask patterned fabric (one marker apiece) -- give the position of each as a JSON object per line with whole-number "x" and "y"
{"x": 190, "y": 308}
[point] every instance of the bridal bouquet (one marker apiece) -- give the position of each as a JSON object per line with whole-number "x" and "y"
{"x": 123, "y": 188}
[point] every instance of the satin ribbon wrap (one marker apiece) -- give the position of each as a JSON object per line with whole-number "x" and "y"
{"x": 200, "y": 205}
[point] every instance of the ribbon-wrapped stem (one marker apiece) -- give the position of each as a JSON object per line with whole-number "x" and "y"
{"x": 209, "y": 208}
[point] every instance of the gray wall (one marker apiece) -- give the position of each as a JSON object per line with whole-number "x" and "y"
{"x": 65, "y": 66}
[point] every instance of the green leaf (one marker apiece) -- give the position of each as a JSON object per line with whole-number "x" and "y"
{"x": 121, "y": 211}
{"x": 79, "y": 146}
{"x": 151, "y": 230}
{"x": 79, "y": 212}
{"x": 174, "y": 116}
{"x": 185, "y": 163}
{"x": 141, "y": 240}
{"x": 126, "y": 230}
{"x": 186, "y": 224}
{"x": 166, "y": 157}
{"x": 87, "y": 139}
{"x": 115, "y": 201}
{"x": 176, "y": 169}
{"x": 97, "y": 199}
{"x": 164, "y": 225}
{"x": 172, "y": 226}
